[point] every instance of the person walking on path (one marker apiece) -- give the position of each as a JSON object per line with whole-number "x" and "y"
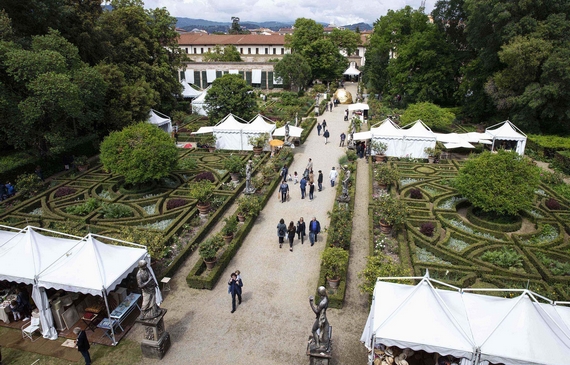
{"x": 314, "y": 229}
{"x": 326, "y": 135}
{"x": 281, "y": 231}
{"x": 332, "y": 176}
{"x": 291, "y": 234}
{"x": 283, "y": 173}
{"x": 319, "y": 127}
{"x": 311, "y": 190}
{"x": 234, "y": 288}
{"x": 82, "y": 344}
{"x": 284, "y": 191}
{"x": 309, "y": 165}
{"x": 311, "y": 177}
{"x": 303, "y": 186}
{"x": 346, "y": 115}
{"x": 301, "y": 229}
{"x": 342, "y": 138}
{"x": 320, "y": 180}
{"x": 324, "y": 124}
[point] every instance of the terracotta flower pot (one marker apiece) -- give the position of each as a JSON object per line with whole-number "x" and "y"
{"x": 204, "y": 209}
{"x": 210, "y": 264}
{"x": 333, "y": 283}
{"x": 229, "y": 238}
{"x": 386, "y": 228}
{"x": 234, "y": 176}
{"x": 257, "y": 150}
{"x": 241, "y": 217}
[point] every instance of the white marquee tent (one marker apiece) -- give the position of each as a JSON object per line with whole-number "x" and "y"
{"x": 160, "y": 120}
{"x": 71, "y": 263}
{"x": 293, "y": 131}
{"x": 199, "y": 103}
{"x": 417, "y": 137}
{"x": 390, "y": 134}
{"x": 477, "y": 328}
{"x": 188, "y": 92}
{"x": 352, "y": 70}
{"x": 507, "y": 131}
{"x": 358, "y": 106}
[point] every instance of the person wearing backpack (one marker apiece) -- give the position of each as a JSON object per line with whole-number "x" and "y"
{"x": 281, "y": 231}
{"x": 326, "y": 135}
{"x": 284, "y": 190}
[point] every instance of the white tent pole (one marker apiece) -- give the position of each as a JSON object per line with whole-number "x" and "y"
{"x": 104, "y": 293}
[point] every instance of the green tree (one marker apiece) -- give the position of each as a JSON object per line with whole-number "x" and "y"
{"x": 294, "y": 70}
{"x": 223, "y": 54}
{"x": 433, "y": 116}
{"x": 327, "y": 64}
{"x": 306, "y": 32}
{"x": 345, "y": 39}
{"x": 52, "y": 96}
{"x": 503, "y": 183}
{"x": 230, "y": 94}
{"x": 141, "y": 153}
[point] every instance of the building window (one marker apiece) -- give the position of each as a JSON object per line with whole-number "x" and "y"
{"x": 257, "y": 51}
{"x": 195, "y": 50}
{"x": 241, "y": 50}
{"x": 282, "y": 50}
{"x": 266, "y": 51}
{"x": 201, "y": 50}
{"x": 249, "y": 51}
{"x": 186, "y": 50}
{"x": 358, "y": 52}
{"x": 274, "y": 50}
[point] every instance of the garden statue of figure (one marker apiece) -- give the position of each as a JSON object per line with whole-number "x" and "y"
{"x": 148, "y": 286}
{"x": 249, "y": 189}
{"x": 345, "y": 181}
{"x": 321, "y": 326}
{"x": 287, "y": 131}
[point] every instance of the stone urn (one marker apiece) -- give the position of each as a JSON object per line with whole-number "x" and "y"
{"x": 333, "y": 283}
{"x": 203, "y": 208}
{"x": 234, "y": 176}
{"x": 386, "y": 228}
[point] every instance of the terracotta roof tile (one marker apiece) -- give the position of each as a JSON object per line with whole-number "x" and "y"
{"x": 227, "y": 39}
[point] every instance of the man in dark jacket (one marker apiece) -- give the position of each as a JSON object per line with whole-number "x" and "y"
{"x": 303, "y": 186}
{"x": 234, "y": 288}
{"x": 82, "y": 344}
{"x": 314, "y": 229}
{"x": 320, "y": 180}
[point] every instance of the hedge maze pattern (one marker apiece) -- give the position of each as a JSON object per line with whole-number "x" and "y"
{"x": 466, "y": 250}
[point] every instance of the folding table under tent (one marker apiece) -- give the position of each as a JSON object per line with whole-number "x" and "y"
{"x": 476, "y": 328}
{"x": 507, "y": 131}
{"x": 160, "y": 120}
{"x": 76, "y": 264}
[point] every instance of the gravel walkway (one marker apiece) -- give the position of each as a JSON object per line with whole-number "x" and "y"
{"x": 274, "y": 321}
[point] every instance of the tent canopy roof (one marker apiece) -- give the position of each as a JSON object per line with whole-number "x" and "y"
{"x": 259, "y": 124}
{"x": 386, "y": 128}
{"x": 158, "y": 118}
{"x": 520, "y": 330}
{"x": 230, "y": 123}
{"x": 358, "y": 106}
{"x": 506, "y": 131}
{"x": 188, "y": 91}
{"x": 351, "y": 71}
{"x": 418, "y": 129}
{"x": 293, "y": 131}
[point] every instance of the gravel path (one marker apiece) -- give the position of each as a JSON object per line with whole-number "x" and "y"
{"x": 274, "y": 321}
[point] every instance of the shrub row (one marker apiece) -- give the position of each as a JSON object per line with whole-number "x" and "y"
{"x": 501, "y": 227}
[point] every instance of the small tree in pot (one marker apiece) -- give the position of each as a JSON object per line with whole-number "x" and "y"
{"x": 202, "y": 191}
{"x": 248, "y": 206}
{"x": 391, "y": 211}
{"x": 258, "y": 142}
{"x": 334, "y": 263}
{"x": 386, "y": 175}
{"x": 235, "y": 165}
{"x": 379, "y": 148}
{"x": 208, "y": 250}
{"x": 229, "y": 228}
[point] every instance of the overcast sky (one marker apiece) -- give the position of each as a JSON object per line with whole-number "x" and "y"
{"x": 339, "y": 12}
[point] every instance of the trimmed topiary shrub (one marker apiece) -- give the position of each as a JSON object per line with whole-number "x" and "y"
{"x": 552, "y": 204}
{"x": 206, "y": 175}
{"x": 114, "y": 211}
{"x": 175, "y": 203}
{"x": 63, "y": 191}
{"x": 427, "y": 229}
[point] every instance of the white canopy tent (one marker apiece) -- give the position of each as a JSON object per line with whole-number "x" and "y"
{"x": 474, "y": 327}
{"x": 199, "y": 104}
{"x": 160, "y": 120}
{"x": 293, "y": 131}
{"x": 75, "y": 264}
{"x": 453, "y": 140}
{"x": 507, "y": 131}
{"x": 257, "y": 126}
{"x": 351, "y": 70}
{"x": 229, "y": 133}
{"x": 389, "y": 133}
{"x": 188, "y": 92}
{"x": 417, "y": 138}
{"x": 358, "y": 106}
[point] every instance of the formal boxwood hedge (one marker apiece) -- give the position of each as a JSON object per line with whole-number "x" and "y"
{"x": 538, "y": 240}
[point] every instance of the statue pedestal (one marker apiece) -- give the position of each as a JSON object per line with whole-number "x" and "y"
{"x": 156, "y": 340}
{"x": 321, "y": 355}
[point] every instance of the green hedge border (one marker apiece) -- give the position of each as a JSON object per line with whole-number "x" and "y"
{"x": 507, "y": 227}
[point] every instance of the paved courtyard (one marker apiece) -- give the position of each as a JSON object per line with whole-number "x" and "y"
{"x": 274, "y": 321}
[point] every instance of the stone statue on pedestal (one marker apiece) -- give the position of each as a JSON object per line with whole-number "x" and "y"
{"x": 249, "y": 189}
{"x": 148, "y": 286}
{"x": 321, "y": 327}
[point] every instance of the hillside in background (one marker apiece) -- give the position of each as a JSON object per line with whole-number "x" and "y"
{"x": 211, "y": 27}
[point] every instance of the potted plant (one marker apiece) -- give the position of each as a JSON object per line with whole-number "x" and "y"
{"x": 235, "y": 165}
{"x": 258, "y": 142}
{"x": 248, "y": 206}
{"x": 391, "y": 211}
{"x": 334, "y": 263}
{"x": 202, "y": 191}
{"x": 268, "y": 172}
{"x": 229, "y": 228}
{"x": 386, "y": 175}
{"x": 379, "y": 149}
{"x": 432, "y": 152}
{"x": 81, "y": 162}
{"x": 208, "y": 250}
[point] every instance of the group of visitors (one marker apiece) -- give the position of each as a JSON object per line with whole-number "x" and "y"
{"x": 308, "y": 178}
{"x": 300, "y": 230}
{"x": 7, "y": 190}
